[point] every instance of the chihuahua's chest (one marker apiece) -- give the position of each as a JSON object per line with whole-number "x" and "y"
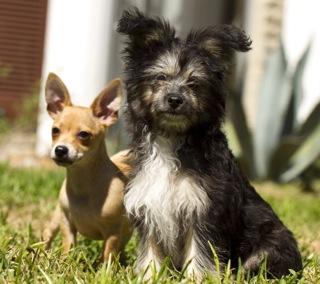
{"x": 84, "y": 216}
{"x": 163, "y": 197}
{"x": 92, "y": 215}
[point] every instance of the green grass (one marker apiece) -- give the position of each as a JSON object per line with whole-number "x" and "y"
{"x": 27, "y": 197}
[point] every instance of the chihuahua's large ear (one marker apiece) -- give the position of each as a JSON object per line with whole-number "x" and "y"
{"x": 220, "y": 41}
{"x": 144, "y": 32}
{"x": 57, "y": 95}
{"x": 107, "y": 104}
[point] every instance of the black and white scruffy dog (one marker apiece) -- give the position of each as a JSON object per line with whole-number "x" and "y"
{"x": 186, "y": 190}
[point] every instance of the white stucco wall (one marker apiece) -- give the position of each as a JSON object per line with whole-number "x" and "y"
{"x": 78, "y": 34}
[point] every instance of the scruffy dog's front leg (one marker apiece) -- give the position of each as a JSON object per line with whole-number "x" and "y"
{"x": 198, "y": 258}
{"x": 149, "y": 256}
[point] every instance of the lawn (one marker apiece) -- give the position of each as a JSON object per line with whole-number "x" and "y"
{"x": 27, "y": 197}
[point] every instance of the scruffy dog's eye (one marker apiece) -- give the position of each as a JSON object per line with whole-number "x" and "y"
{"x": 83, "y": 135}
{"x": 161, "y": 77}
{"x": 55, "y": 131}
{"x": 192, "y": 81}
{"x": 219, "y": 75}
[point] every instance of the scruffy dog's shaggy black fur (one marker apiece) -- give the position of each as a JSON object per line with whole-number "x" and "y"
{"x": 186, "y": 191}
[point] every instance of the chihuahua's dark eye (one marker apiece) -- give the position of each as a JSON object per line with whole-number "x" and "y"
{"x": 55, "y": 131}
{"x": 161, "y": 77}
{"x": 84, "y": 135}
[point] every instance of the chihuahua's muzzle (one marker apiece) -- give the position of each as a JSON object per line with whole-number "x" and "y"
{"x": 65, "y": 154}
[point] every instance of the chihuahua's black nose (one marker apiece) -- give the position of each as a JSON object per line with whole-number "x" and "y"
{"x": 61, "y": 151}
{"x": 174, "y": 100}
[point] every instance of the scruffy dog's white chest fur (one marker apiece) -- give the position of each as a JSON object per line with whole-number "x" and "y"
{"x": 161, "y": 195}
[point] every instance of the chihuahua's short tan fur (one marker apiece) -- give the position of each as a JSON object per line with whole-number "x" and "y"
{"x": 91, "y": 197}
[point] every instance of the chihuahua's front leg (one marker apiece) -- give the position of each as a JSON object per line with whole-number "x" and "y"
{"x": 52, "y": 228}
{"x": 111, "y": 247}
{"x": 69, "y": 232}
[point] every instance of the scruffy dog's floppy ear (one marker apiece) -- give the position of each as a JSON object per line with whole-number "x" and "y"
{"x": 144, "y": 32}
{"x": 220, "y": 41}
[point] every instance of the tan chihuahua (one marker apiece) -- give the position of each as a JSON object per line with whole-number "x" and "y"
{"x": 91, "y": 197}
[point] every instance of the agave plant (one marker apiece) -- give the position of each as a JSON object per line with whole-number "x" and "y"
{"x": 279, "y": 147}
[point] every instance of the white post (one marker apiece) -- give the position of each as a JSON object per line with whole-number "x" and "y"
{"x": 77, "y": 46}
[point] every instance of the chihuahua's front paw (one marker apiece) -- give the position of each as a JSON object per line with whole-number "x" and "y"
{"x": 46, "y": 237}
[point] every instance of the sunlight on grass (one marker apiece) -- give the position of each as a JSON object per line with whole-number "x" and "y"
{"x": 28, "y": 196}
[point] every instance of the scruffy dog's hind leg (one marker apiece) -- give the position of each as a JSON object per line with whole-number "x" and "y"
{"x": 280, "y": 256}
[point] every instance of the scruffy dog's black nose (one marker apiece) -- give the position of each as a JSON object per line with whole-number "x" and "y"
{"x": 175, "y": 100}
{"x": 61, "y": 151}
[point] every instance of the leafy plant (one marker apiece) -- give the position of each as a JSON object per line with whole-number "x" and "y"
{"x": 279, "y": 147}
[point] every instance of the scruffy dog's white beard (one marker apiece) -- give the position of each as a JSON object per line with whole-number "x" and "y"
{"x": 166, "y": 200}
